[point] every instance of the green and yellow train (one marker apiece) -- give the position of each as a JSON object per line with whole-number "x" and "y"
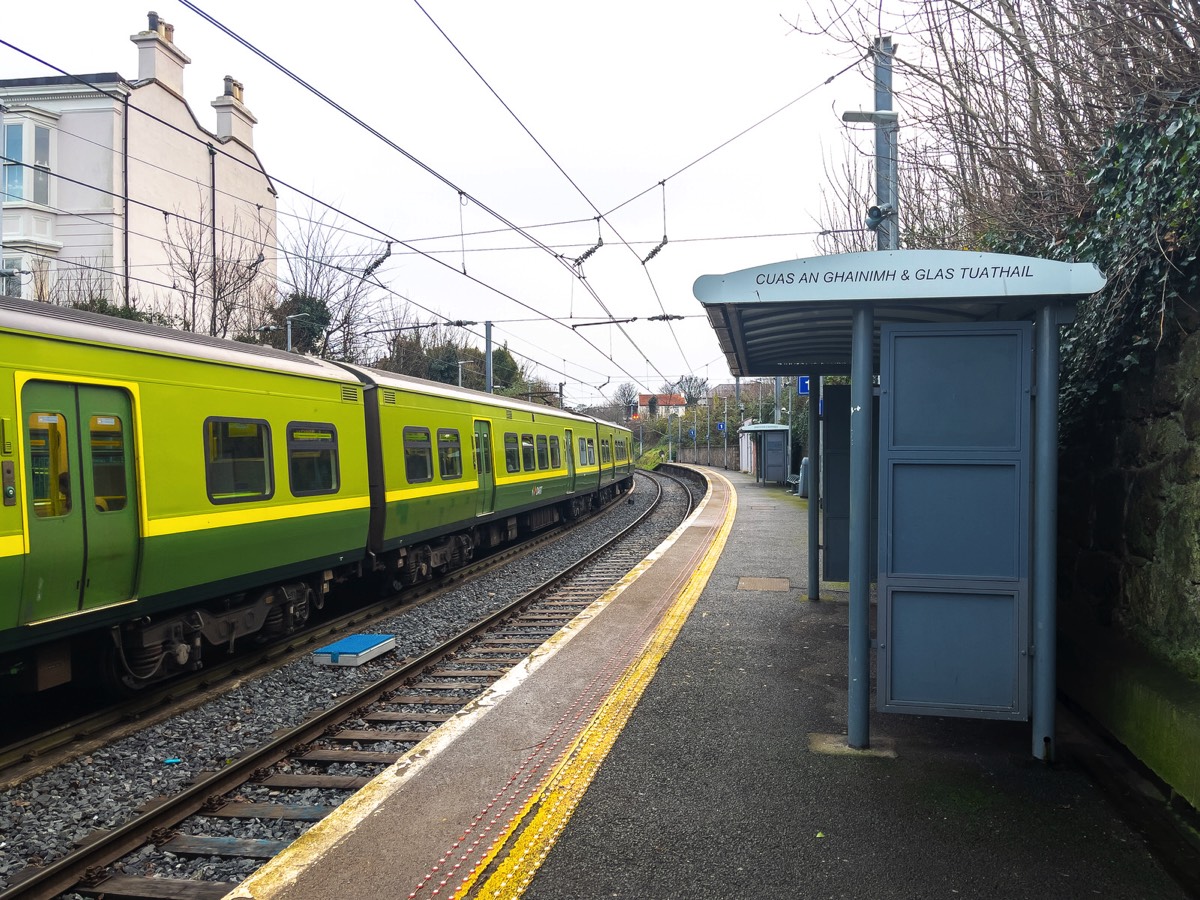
{"x": 166, "y": 495}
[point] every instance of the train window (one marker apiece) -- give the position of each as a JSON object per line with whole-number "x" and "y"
{"x": 512, "y": 452}
{"x": 622, "y": 453}
{"x": 418, "y": 455}
{"x": 583, "y": 451}
{"x": 238, "y": 460}
{"x": 449, "y": 453}
{"x": 555, "y": 453}
{"x": 591, "y": 452}
{"x": 605, "y": 452}
{"x": 312, "y": 458}
{"x": 543, "y": 452}
{"x": 108, "y": 463}
{"x": 527, "y": 457}
{"x": 48, "y": 463}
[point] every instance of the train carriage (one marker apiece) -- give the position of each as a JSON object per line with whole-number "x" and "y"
{"x": 455, "y": 470}
{"x": 147, "y": 469}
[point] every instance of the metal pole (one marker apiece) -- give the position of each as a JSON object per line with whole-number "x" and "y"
{"x": 1045, "y": 523}
{"x": 289, "y": 334}
{"x": 487, "y": 340}
{"x": 778, "y": 396}
{"x": 861, "y": 402}
{"x": 887, "y": 236}
{"x": 725, "y": 419}
{"x": 814, "y": 487}
{"x": 696, "y": 434}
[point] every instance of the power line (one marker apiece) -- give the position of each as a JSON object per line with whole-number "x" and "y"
{"x": 407, "y": 155}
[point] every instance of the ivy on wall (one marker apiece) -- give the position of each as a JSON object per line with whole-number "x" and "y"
{"x": 1142, "y": 229}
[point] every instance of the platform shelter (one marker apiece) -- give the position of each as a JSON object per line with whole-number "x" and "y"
{"x": 772, "y": 451}
{"x": 965, "y": 347}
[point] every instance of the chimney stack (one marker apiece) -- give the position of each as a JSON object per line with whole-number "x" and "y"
{"x": 158, "y": 57}
{"x": 233, "y": 119}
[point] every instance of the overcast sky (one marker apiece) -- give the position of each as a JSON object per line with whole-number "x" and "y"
{"x": 621, "y": 94}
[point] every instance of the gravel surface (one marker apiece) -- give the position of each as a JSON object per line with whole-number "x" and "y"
{"x": 106, "y": 788}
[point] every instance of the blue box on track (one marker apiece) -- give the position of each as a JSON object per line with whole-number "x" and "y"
{"x": 354, "y": 649}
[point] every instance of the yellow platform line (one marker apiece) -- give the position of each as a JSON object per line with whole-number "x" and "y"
{"x": 560, "y": 792}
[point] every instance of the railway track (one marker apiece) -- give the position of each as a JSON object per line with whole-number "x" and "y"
{"x": 304, "y": 772}
{"x": 29, "y": 750}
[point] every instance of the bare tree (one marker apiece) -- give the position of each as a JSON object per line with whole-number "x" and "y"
{"x": 215, "y": 288}
{"x": 693, "y": 387}
{"x": 319, "y": 264}
{"x": 625, "y": 396}
{"x": 1004, "y": 102}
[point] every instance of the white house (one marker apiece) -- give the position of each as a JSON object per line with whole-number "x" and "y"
{"x": 114, "y": 190}
{"x": 661, "y": 404}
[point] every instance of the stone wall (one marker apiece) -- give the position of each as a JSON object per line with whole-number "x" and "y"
{"x": 1129, "y": 510}
{"x": 1129, "y": 561}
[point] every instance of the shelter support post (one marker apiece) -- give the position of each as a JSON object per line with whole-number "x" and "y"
{"x": 861, "y": 398}
{"x": 814, "y": 488}
{"x": 1045, "y": 534}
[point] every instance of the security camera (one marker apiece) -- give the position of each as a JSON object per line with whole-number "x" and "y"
{"x": 876, "y": 215}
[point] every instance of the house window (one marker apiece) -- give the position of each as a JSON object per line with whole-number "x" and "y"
{"x": 27, "y": 162}
{"x": 10, "y": 285}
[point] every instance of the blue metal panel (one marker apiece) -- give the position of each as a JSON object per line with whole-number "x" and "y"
{"x": 835, "y": 487}
{"x": 955, "y": 463}
{"x": 968, "y": 660}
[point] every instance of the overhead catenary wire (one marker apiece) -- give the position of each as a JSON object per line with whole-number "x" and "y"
{"x": 383, "y": 234}
{"x": 543, "y": 246}
{"x": 578, "y": 189}
{"x": 401, "y": 150}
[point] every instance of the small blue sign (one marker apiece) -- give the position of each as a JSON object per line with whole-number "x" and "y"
{"x": 802, "y": 385}
{"x": 691, "y": 432}
{"x": 720, "y": 426}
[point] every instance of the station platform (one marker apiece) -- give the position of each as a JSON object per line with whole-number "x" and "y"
{"x": 685, "y": 738}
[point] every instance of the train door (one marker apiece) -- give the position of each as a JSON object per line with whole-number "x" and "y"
{"x": 485, "y": 499}
{"x": 80, "y": 504}
{"x": 570, "y": 461}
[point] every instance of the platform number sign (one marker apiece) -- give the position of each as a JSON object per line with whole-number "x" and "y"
{"x": 691, "y": 432}
{"x": 720, "y": 426}
{"x": 802, "y": 385}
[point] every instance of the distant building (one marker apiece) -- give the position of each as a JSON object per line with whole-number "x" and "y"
{"x": 661, "y": 404}
{"x": 113, "y": 190}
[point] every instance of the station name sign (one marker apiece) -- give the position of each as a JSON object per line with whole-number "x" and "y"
{"x": 900, "y": 274}
{"x": 860, "y": 276}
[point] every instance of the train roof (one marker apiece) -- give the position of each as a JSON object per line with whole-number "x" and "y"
{"x": 68, "y": 323}
{"x": 420, "y": 385}
{"x": 73, "y": 324}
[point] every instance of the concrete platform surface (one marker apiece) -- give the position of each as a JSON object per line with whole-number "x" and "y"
{"x": 728, "y": 781}
{"x": 689, "y": 743}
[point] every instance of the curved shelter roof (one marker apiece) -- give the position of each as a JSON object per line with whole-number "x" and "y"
{"x": 795, "y": 317}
